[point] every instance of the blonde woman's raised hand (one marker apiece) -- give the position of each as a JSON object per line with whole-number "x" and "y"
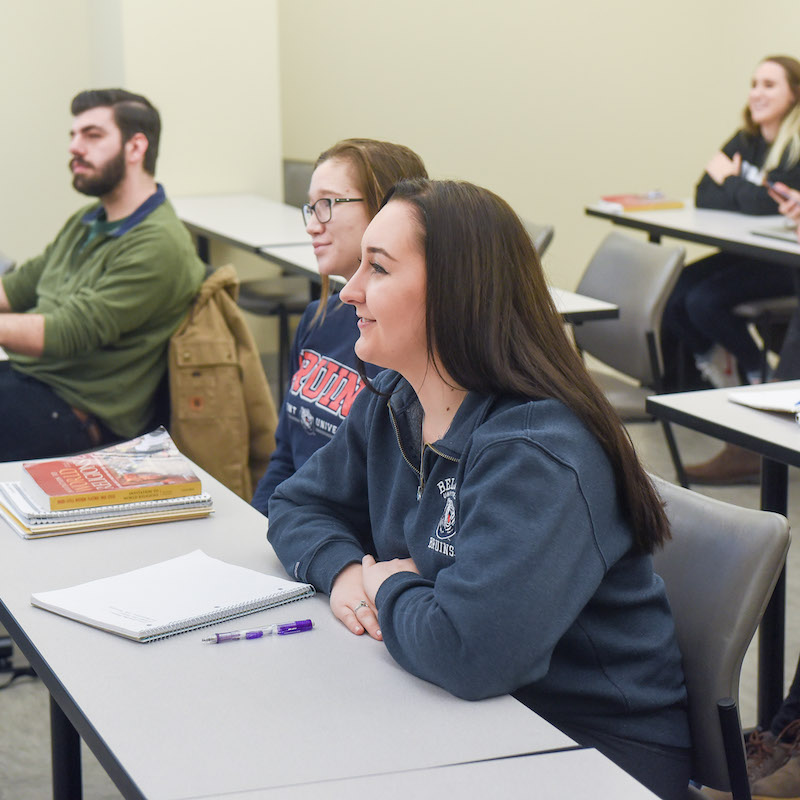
{"x": 721, "y": 167}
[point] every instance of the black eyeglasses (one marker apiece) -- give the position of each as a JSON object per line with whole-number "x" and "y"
{"x": 323, "y": 208}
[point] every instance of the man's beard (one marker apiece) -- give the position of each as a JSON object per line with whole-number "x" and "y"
{"x": 103, "y": 181}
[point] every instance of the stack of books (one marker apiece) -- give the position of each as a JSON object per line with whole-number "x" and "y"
{"x": 139, "y": 482}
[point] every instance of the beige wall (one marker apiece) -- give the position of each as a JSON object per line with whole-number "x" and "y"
{"x": 44, "y": 60}
{"x": 548, "y": 104}
{"x": 210, "y": 67}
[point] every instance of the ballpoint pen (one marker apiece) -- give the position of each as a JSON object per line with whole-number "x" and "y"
{"x": 279, "y": 629}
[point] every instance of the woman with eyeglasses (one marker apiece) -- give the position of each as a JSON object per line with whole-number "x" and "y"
{"x": 481, "y": 511}
{"x": 347, "y": 186}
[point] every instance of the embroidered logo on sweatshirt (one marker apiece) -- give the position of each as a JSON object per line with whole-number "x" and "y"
{"x": 307, "y": 420}
{"x": 446, "y": 528}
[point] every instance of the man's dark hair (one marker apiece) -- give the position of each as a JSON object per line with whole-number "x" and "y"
{"x": 133, "y": 114}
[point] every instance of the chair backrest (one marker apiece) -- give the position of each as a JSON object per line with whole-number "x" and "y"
{"x": 296, "y": 178}
{"x": 719, "y": 570}
{"x": 541, "y": 235}
{"x": 638, "y": 277}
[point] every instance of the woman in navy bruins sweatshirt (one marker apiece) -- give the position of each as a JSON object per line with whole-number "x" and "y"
{"x": 482, "y": 511}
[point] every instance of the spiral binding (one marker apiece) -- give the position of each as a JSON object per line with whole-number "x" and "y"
{"x": 226, "y": 613}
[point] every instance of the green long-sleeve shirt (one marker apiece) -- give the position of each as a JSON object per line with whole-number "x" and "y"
{"x": 109, "y": 309}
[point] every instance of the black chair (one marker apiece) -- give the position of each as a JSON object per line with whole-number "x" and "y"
{"x": 277, "y": 297}
{"x": 288, "y": 295}
{"x": 771, "y": 318}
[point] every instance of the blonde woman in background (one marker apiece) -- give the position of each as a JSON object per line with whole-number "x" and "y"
{"x": 699, "y": 313}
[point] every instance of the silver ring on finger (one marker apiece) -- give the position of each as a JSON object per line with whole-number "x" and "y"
{"x": 362, "y": 604}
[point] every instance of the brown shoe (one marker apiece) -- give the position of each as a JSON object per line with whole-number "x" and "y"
{"x": 783, "y": 783}
{"x": 732, "y": 466}
{"x": 765, "y": 755}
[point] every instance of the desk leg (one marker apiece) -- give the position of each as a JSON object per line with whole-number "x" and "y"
{"x": 66, "y": 753}
{"x": 774, "y": 491}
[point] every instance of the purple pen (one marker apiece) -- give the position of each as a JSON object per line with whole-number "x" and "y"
{"x": 279, "y": 629}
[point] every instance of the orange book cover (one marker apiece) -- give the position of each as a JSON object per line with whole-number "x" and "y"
{"x": 641, "y": 202}
{"x": 149, "y": 467}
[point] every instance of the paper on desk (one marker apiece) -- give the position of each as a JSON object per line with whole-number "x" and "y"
{"x": 785, "y": 400}
{"x": 786, "y": 232}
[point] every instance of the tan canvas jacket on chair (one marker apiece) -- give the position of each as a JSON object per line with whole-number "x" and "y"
{"x": 223, "y": 415}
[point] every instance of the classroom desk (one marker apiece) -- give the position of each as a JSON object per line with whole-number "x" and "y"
{"x": 247, "y": 221}
{"x": 568, "y": 774}
{"x": 574, "y": 308}
{"x": 180, "y": 719}
{"x": 297, "y": 259}
{"x": 776, "y": 438}
{"x": 727, "y": 230}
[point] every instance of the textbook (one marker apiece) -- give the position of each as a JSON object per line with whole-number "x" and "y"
{"x": 32, "y": 512}
{"x": 32, "y": 522}
{"x": 149, "y": 467}
{"x": 182, "y": 594}
{"x": 647, "y": 201}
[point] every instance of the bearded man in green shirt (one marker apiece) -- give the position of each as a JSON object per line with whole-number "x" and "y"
{"x": 86, "y": 323}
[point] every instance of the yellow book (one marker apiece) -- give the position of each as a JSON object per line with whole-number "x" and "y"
{"x": 146, "y": 468}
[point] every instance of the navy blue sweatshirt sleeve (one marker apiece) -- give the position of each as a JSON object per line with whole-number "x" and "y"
{"x": 281, "y": 462}
{"x": 319, "y": 518}
{"x": 528, "y": 581}
{"x": 489, "y": 623}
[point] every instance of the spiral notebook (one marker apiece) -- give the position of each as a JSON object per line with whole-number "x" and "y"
{"x": 182, "y": 594}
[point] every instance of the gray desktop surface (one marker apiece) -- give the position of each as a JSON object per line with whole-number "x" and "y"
{"x": 728, "y": 230}
{"x": 248, "y": 221}
{"x": 771, "y": 434}
{"x": 178, "y": 718}
{"x": 569, "y": 774}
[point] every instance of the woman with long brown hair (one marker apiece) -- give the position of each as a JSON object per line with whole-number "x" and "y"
{"x": 482, "y": 511}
